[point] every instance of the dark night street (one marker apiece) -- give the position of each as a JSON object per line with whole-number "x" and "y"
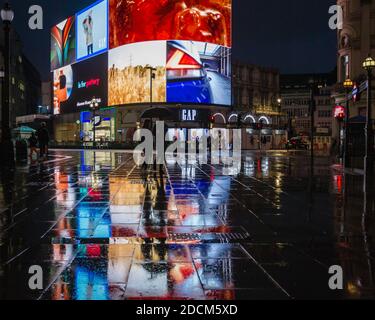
{"x": 102, "y": 228}
{"x": 185, "y": 157}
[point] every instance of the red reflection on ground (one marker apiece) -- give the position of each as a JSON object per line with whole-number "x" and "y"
{"x": 145, "y": 20}
{"x": 95, "y": 194}
{"x": 93, "y": 250}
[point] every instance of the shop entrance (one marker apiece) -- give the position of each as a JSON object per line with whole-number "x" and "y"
{"x": 104, "y": 126}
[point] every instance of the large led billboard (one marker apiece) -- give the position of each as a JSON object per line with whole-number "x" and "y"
{"x": 63, "y": 43}
{"x": 147, "y": 20}
{"x": 92, "y": 30}
{"x": 187, "y": 44}
{"x": 76, "y": 85}
{"x": 198, "y": 72}
{"x": 129, "y": 71}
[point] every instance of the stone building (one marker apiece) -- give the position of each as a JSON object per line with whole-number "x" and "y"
{"x": 256, "y": 90}
{"x": 25, "y": 83}
{"x": 295, "y": 104}
{"x": 356, "y": 40}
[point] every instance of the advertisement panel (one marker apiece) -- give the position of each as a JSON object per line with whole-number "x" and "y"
{"x": 62, "y": 87}
{"x": 129, "y": 73}
{"x": 146, "y": 20}
{"x": 186, "y": 44}
{"x": 92, "y": 30}
{"x": 198, "y": 72}
{"x": 63, "y": 44}
{"x": 75, "y": 86}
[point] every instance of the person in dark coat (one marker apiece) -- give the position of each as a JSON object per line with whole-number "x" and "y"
{"x": 43, "y": 138}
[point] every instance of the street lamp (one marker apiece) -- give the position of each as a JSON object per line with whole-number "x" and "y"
{"x": 78, "y": 122}
{"x": 369, "y": 65}
{"x": 152, "y": 77}
{"x": 279, "y": 111}
{"x": 312, "y": 108}
{"x": 348, "y": 85}
{"x": 94, "y": 105}
{"x": 7, "y": 16}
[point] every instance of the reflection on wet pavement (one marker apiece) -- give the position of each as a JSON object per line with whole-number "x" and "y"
{"x": 102, "y": 228}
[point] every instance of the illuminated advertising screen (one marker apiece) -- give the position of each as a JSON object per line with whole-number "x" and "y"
{"x": 129, "y": 72}
{"x": 75, "y": 86}
{"x": 147, "y": 20}
{"x": 62, "y": 88}
{"x": 63, "y": 44}
{"x": 198, "y": 72}
{"x": 92, "y": 30}
{"x": 182, "y": 48}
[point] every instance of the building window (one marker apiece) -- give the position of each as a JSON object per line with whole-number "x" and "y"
{"x": 324, "y": 113}
{"x": 345, "y": 71}
{"x": 21, "y": 86}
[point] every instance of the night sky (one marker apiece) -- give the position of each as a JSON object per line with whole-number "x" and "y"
{"x": 291, "y": 35}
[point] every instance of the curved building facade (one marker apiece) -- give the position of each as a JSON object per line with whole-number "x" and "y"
{"x": 116, "y": 59}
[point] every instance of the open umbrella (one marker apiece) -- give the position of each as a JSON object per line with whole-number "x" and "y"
{"x": 24, "y": 129}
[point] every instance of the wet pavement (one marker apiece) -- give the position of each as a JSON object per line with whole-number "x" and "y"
{"x": 102, "y": 228}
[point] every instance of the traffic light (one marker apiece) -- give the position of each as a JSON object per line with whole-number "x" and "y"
{"x": 211, "y": 119}
{"x": 339, "y": 113}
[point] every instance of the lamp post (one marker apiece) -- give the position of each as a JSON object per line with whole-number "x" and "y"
{"x": 348, "y": 85}
{"x": 152, "y": 77}
{"x": 94, "y": 105}
{"x": 312, "y": 120}
{"x": 312, "y": 108}
{"x": 78, "y": 122}
{"x": 278, "y": 111}
{"x": 368, "y": 191}
{"x": 369, "y": 65}
{"x": 7, "y": 16}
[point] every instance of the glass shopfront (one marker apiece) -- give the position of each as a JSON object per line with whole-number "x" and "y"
{"x": 104, "y": 122}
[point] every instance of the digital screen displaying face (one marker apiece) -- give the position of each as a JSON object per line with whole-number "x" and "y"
{"x": 77, "y": 85}
{"x": 92, "y": 30}
{"x": 147, "y": 20}
{"x": 180, "y": 47}
{"x": 63, "y": 43}
{"x": 62, "y": 88}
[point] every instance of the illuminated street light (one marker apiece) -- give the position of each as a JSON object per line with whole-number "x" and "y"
{"x": 94, "y": 105}
{"x": 348, "y": 85}
{"x": 369, "y": 65}
{"x": 7, "y": 14}
{"x": 278, "y": 111}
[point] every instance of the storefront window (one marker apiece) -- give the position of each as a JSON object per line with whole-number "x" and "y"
{"x": 104, "y": 129}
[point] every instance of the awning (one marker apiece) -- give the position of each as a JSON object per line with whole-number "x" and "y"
{"x": 358, "y": 119}
{"x": 160, "y": 113}
{"x": 31, "y": 118}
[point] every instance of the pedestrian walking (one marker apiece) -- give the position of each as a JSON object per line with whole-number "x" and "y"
{"x": 43, "y": 138}
{"x": 33, "y": 143}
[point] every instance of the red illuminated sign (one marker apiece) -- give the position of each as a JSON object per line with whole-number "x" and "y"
{"x": 89, "y": 83}
{"x": 339, "y": 112}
